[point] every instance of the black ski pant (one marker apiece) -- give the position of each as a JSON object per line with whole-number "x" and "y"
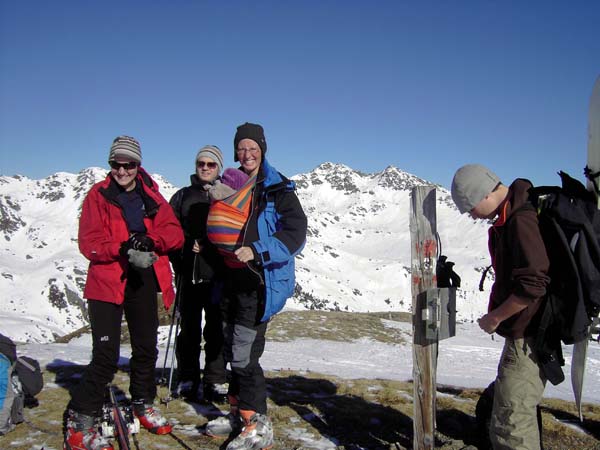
{"x": 197, "y": 299}
{"x": 141, "y": 313}
{"x": 244, "y": 336}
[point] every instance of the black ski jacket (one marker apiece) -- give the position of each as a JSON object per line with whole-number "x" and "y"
{"x": 191, "y": 205}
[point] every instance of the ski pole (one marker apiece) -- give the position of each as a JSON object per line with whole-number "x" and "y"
{"x": 169, "y": 386}
{"x": 120, "y": 423}
{"x": 162, "y": 380}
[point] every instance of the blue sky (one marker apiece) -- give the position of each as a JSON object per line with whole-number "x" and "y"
{"x": 424, "y": 86}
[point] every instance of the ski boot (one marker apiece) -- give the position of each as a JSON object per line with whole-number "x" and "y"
{"x": 188, "y": 390}
{"x": 82, "y": 433}
{"x": 215, "y": 392}
{"x": 227, "y": 425}
{"x": 257, "y": 433}
{"x": 224, "y": 426}
{"x": 150, "y": 418}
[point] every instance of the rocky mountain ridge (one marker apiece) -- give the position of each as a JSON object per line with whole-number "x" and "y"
{"x": 357, "y": 255}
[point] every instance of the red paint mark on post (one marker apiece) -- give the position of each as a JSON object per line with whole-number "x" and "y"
{"x": 429, "y": 248}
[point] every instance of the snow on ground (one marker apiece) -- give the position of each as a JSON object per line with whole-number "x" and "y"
{"x": 468, "y": 360}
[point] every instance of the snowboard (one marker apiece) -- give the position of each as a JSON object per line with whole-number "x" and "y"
{"x": 578, "y": 359}
{"x": 593, "y": 161}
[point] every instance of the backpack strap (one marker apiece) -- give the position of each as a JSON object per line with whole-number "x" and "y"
{"x": 547, "y": 346}
{"x": 483, "y": 275}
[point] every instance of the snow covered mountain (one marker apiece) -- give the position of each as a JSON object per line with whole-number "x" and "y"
{"x": 357, "y": 256}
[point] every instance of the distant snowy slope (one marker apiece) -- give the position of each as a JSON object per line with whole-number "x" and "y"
{"x": 42, "y": 271}
{"x": 357, "y": 256}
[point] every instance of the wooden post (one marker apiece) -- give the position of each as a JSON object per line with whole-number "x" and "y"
{"x": 423, "y": 230}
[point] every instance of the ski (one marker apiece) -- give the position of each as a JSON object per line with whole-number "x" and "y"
{"x": 121, "y": 427}
{"x": 180, "y": 441}
{"x": 135, "y": 442}
{"x": 592, "y": 173}
{"x": 118, "y": 421}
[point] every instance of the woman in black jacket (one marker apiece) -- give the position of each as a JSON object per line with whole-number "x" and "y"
{"x": 196, "y": 266}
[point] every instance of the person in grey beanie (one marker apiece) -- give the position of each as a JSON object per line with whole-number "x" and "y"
{"x": 521, "y": 266}
{"x": 126, "y": 230}
{"x": 197, "y": 266}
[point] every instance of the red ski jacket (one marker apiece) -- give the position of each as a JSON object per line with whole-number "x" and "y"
{"x": 102, "y": 229}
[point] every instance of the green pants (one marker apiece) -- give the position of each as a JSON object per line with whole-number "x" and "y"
{"x": 518, "y": 390}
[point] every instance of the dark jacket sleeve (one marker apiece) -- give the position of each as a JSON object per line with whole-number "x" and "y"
{"x": 175, "y": 203}
{"x": 166, "y": 230}
{"x": 289, "y": 235}
{"x": 293, "y": 221}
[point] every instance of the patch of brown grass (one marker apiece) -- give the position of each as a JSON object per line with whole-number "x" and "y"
{"x": 366, "y": 414}
{"x": 336, "y": 326}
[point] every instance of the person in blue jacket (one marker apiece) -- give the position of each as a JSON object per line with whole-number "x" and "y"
{"x": 256, "y": 288}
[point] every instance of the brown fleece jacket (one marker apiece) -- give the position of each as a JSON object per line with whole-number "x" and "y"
{"x": 520, "y": 261}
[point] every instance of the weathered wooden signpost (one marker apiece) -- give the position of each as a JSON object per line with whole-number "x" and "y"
{"x": 433, "y": 313}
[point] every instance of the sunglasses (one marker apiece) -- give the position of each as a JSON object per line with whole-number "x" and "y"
{"x": 210, "y": 165}
{"x": 253, "y": 151}
{"x": 127, "y": 165}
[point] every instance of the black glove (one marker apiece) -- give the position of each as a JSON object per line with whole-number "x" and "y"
{"x": 445, "y": 274}
{"x": 141, "y": 242}
{"x": 125, "y": 247}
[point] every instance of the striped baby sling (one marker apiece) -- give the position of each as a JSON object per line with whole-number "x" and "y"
{"x": 226, "y": 221}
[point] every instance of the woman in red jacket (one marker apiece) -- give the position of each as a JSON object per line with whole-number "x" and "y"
{"x": 126, "y": 230}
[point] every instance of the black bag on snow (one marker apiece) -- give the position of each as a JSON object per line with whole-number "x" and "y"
{"x": 30, "y": 375}
{"x": 570, "y": 226}
{"x": 20, "y": 381}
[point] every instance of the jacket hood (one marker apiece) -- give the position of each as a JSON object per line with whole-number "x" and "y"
{"x": 270, "y": 175}
{"x": 519, "y": 193}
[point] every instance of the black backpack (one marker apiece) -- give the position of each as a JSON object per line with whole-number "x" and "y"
{"x": 27, "y": 369}
{"x": 569, "y": 222}
{"x": 30, "y": 375}
{"x": 20, "y": 381}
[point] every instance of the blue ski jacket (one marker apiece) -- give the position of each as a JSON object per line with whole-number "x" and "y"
{"x": 281, "y": 226}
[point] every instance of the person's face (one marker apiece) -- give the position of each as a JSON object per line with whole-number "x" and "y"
{"x": 485, "y": 209}
{"x": 206, "y": 169}
{"x": 249, "y": 155}
{"x": 124, "y": 172}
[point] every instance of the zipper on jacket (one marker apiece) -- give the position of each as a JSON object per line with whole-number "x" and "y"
{"x": 248, "y": 265}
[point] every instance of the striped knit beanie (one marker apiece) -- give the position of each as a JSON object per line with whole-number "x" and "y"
{"x": 126, "y": 148}
{"x": 213, "y": 152}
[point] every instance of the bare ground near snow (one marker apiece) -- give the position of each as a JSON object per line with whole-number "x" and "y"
{"x": 328, "y": 389}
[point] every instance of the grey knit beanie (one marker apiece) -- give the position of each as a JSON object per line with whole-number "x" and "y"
{"x": 213, "y": 152}
{"x": 471, "y": 184}
{"x": 126, "y": 148}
